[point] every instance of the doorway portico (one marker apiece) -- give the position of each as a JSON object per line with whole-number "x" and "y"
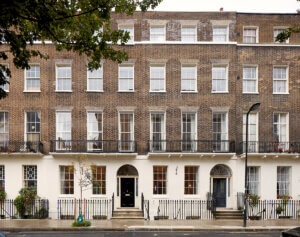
{"x": 127, "y": 187}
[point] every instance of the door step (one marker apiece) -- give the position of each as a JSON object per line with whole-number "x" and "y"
{"x": 128, "y": 213}
{"x": 229, "y": 214}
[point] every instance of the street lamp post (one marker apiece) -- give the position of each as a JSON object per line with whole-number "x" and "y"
{"x": 252, "y": 108}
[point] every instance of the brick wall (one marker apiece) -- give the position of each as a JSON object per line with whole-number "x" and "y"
{"x": 265, "y": 57}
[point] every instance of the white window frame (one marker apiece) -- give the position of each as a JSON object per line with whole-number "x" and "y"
{"x": 196, "y": 180}
{"x": 256, "y": 132}
{"x": 194, "y": 143}
{"x": 2, "y": 176}
{"x": 227, "y": 33}
{"x": 87, "y": 129}
{"x": 194, "y": 27}
{"x": 26, "y": 78}
{"x": 129, "y": 66}
{"x": 124, "y": 27}
{"x": 69, "y": 144}
{"x": 7, "y": 78}
{"x": 166, "y": 180}
{"x": 257, "y": 168}
{"x": 280, "y": 28}
{"x": 286, "y": 79}
{"x": 99, "y": 180}
{"x": 56, "y": 76}
{"x": 226, "y": 79}
{"x": 250, "y": 79}
{"x": 256, "y": 33}
{"x": 163, "y": 145}
{"x": 26, "y": 179}
{"x": 95, "y": 78}
{"x": 5, "y": 132}
{"x": 164, "y": 67}
{"x": 151, "y": 34}
{"x": 279, "y": 127}
{"x": 132, "y": 141}
{"x": 226, "y": 145}
{"x": 68, "y": 180}
{"x": 289, "y": 180}
{"x": 196, "y": 76}
{"x": 25, "y": 124}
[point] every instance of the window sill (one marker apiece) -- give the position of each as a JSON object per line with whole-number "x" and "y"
{"x": 95, "y": 91}
{"x": 220, "y": 92}
{"x": 157, "y": 91}
{"x": 64, "y": 91}
{"x": 66, "y": 196}
{"x": 250, "y": 93}
{"x": 126, "y": 91}
{"x": 157, "y": 196}
{"x": 31, "y": 91}
{"x": 98, "y": 196}
{"x": 281, "y": 93}
{"x": 192, "y": 196}
{"x": 189, "y": 92}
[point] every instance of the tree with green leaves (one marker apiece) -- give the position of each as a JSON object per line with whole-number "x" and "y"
{"x": 82, "y": 26}
{"x": 286, "y": 34}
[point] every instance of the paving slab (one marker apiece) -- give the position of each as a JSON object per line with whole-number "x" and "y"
{"x": 146, "y": 225}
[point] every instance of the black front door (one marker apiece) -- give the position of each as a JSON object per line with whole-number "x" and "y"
{"x": 127, "y": 192}
{"x": 219, "y": 191}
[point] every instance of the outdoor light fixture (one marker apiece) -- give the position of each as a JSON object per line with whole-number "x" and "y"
{"x": 252, "y": 108}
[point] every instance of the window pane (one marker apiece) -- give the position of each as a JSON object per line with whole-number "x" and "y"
{"x": 159, "y": 180}
{"x": 157, "y": 78}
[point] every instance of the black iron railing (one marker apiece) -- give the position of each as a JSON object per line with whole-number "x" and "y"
{"x": 92, "y": 146}
{"x": 205, "y": 146}
{"x": 185, "y": 209}
{"x": 97, "y": 209}
{"x": 273, "y": 209}
{"x": 270, "y": 147}
{"x": 145, "y": 207}
{"x": 17, "y": 146}
{"x": 36, "y": 209}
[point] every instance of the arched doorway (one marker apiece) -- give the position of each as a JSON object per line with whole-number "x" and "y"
{"x": 220, "y": 178}
{"x": 127, "y": 185}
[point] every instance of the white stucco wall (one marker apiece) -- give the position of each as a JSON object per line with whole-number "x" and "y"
{"x": 48, "y": 184}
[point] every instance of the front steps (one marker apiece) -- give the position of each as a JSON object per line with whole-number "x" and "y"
{"x": 228, "y": 214}
{"x": 127, "y": 213}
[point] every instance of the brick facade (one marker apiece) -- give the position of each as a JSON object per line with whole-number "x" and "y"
{"x": 233, "y": 53}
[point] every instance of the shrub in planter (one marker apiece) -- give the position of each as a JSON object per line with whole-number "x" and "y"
{"x": 24, "y": 201}
{"x": 2, "y": 194}
{"x": 81, "y": 224}
{"x": 279, "y": 209}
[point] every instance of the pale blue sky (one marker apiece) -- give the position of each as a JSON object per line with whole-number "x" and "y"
{"x": 283, "y": 6}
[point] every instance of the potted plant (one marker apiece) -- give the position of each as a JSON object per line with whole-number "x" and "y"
{"x": 2, "y": 199}
{"x": 281, "y": 209}
{"x": 253, "y": 202}
{"x": 24, "y": 202}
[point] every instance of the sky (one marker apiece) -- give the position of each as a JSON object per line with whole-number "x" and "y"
{"x": 276, "y": 6}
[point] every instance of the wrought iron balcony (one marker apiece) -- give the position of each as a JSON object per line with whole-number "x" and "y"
{"x": 92, "y": 146}
{"x": 201, "y": 146}
{"x": 270, "y": 147}
{"x": 23, "y": 147}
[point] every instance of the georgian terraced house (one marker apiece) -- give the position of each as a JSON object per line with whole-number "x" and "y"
{"x": 169, "y": 123}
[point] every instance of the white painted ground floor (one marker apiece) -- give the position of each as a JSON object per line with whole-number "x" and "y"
{"x": 158, "y": 177}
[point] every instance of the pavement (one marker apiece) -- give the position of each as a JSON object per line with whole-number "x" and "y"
{"x": 146, "y": 225}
